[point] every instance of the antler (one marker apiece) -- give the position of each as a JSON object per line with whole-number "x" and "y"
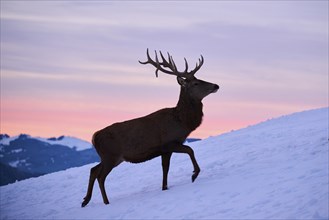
{"x": 170, "y": 64}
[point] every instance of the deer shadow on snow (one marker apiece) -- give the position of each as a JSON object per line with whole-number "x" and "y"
{"x": 160, "y": 133}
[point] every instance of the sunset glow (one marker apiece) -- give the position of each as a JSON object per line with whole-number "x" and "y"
{"x": 71, "y": 67}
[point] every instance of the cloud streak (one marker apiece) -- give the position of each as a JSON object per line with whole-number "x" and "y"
{"x": 270, "y": 58}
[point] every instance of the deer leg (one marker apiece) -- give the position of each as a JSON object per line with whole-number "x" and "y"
{"x": 93, "y": 175}
{"x": 107, "y": 166}
{"x": 101, "y": 181}
{"x": 165, "y": 168}
{"x": 180, "y": 148}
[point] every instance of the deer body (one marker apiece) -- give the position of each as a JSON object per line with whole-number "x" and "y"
{"x": 144, "y": 138}
{"x": 158, "y": 134}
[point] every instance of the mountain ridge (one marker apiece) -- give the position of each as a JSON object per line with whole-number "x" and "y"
{"x": 27, "y": 156}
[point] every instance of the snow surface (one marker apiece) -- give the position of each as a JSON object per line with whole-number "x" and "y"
{"x": 6, "y": 141}
{"x": 71, "y": 142}
{"x": 277, "y": 169}
{"x": 68, "y": 141}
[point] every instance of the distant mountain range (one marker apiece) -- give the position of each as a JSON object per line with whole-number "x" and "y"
{"x": 23, "y": 156}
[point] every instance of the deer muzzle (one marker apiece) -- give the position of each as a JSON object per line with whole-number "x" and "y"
{"x": 216, "y": 88}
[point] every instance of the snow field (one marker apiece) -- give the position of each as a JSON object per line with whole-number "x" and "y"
{"x": 277, "y": 169}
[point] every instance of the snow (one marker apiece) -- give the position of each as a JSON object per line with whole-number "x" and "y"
{"x": 277, "y": 169}
{"x": 14, "y": 163}
{"x": 6, "y": 141}
{"x": 17, "y": 150}
{"x": 68, "y": 141}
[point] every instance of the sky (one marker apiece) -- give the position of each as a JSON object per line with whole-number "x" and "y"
{"x": 71, "y": 67}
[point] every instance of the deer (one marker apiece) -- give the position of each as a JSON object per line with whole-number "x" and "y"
{"x": 160, "y": 133}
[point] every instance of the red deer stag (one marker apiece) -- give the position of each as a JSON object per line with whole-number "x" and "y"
{"x": 158, "y": 134}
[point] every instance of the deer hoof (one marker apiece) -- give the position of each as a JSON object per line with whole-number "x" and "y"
{"x": 164, "y": 188}
{"x": 85, "y": 202}
{"x": 195, "y": 175}
{"x": 106, "y": 202}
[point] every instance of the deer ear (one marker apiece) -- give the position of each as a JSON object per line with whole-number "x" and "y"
{"x": 181, "y": 81}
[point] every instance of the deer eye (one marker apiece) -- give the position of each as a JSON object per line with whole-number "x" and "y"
{"x": 196, "y": 83}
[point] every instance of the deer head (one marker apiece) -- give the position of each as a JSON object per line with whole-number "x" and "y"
{"x": 197, "y": 89}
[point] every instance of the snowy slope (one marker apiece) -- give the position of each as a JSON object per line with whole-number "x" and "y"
{"x": 277, "y": 169}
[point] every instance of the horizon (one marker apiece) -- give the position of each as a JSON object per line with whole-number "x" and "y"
{"x": 71, "y": 68}
{"x": 189, "y": 137}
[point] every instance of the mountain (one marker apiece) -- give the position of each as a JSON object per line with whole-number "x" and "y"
{"x": 71, "y": 142}
{"x": 277, "y": 169}
{"x": 23, "y": 156}
{"x": 28, "y": 156}
{"x": 190, "y": 140}
{"x": 9, "y": 174}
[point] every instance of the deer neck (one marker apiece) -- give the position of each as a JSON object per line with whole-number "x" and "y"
{"x": 189, "y": 111}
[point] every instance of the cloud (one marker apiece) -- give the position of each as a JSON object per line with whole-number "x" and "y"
{"x": 290, "y": 16}
{"x": 122, "y": 15}
{"x": 271, "y": 54}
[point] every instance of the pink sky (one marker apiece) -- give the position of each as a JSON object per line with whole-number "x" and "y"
{"x": 71, "y": 68}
